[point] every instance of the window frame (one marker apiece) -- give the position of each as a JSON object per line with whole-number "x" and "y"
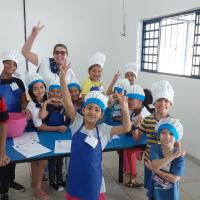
{"x": 158, "y": 20}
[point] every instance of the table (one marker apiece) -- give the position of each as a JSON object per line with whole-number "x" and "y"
{"x": 47, "y": 139}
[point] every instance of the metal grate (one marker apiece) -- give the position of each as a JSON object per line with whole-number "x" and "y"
{"x": 150, "y": 45}
{"x": 171, "y": 44}
{"x": 196, "y": 48}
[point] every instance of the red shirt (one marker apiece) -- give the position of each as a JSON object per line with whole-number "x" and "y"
{"x": 3, "y": 111}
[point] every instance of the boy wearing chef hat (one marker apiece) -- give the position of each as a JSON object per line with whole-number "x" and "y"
{"x": 75, "y": 92}
{"x": 89, "y": 138}
{"x": 163, "y": 95}
{"x": 130, "y": 72}
{"x": 12, "y": 89}
{"x": 120, "y": 87}
{"x": 96, "y": 64}
{"x": 167, "y": 162}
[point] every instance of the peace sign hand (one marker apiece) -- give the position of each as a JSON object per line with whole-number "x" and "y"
{"x": 37, "y": 29}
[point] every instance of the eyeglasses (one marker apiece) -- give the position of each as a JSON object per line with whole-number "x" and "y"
{"x": 62, "y": 53}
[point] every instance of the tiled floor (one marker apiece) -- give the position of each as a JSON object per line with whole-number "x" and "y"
{"x": 190, "y": 184}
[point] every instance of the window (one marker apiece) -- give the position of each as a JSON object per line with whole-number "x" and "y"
{"x": 171, "y": 45}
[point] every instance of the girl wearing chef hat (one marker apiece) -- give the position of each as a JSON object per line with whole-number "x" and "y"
{"x": 137, "y": 111}
{"x": 52, "y": 111}
{"x": 167, "y": 162}
{"x": 163, "y": 95}
{"x": 38, "y": 94}
{"x": 89, "y": 138}
{"x": 96, "y": 64}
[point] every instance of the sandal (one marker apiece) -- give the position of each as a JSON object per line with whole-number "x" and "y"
{"x": 134, "y": 184}
{"x": 41, "y": 195}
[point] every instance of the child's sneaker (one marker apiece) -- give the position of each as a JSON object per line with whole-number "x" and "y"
{"x": 62, "y": 183}
{"x": 56, "y": 187}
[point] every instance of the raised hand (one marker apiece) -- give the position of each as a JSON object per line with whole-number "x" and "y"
{"x": 123, "y": 101}
{"x": 63, "y": 71}
{"x": 37, "y": 29}
{"x": 180, "y": 153}
{"x": 116, "y": 76}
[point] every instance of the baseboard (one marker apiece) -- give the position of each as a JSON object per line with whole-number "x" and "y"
{"x": 193, "y": 158}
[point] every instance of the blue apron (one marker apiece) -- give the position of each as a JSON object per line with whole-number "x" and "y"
{"x": 12, "y": 98}
{"x": 85, "y": 169}
{"x": 97, "y": 88}
{"x": 55, "y": 119}
{"x": 53, "y": 66}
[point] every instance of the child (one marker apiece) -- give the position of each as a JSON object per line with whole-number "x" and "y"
{"x": 120, "y": 87}
{"x": 37, "y": 92}
{"x": 136, "y": 97}
{"x": 14, "y": 93}
{"x": 163, "y": 95}
{"x": 131, "y": 72}
{"x": 4, "y": 159}
{"x": 167, "y": 162}
{"x": 75, "y": 92}
{"x": 52, "y": 111}
{"x": 85, "y": 180}
{"x": 96, "y": 64}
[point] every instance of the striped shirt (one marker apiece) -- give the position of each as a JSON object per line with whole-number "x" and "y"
{"x": 148, "y": 127}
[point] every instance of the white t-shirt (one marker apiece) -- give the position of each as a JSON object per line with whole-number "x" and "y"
{"x": 144, "y": 112}
{"x": 104, "y": 134}
{"x": 45, "y": 71}
{"x": 35, "y": 113}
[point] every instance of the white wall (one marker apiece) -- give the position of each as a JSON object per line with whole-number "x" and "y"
{"x": 12, "y": 28}
{"x": 84, "y": 26}
{"x": 91, "y": 25}
{"x": 187, "y": 96}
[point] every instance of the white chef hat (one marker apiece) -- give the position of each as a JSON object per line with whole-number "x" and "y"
{"x": 54, "y": 84}
{"x": 97, "y": 98}
{"x": 33, "y": 77}
{"x": 74, "y": 84}
{"x": 173, "y": 125}
{"x": 162, "y": 89}
{"x": 131, "y": 67}
{"x": 135, "y": 92}
{"x": 121, "y": 85}
{"x": 97, "y": 59}
{"x": 11, "y": 55}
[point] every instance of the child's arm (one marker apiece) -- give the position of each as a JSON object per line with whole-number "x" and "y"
{"x": 158, "y": 164}
{"x": 177, "y": 144}
{"x": 43, "y": 110}
{"x": 68, "y": 105}
{"x": 110, "y": 88}
{"x": 23, "y": 101}
{"x": 126, "y": 126}
{"x": 168, "y": 176}
{"x": 136, "y": 133}
{"x": 45, "y": 127}
{"x": 4, "y": 160}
